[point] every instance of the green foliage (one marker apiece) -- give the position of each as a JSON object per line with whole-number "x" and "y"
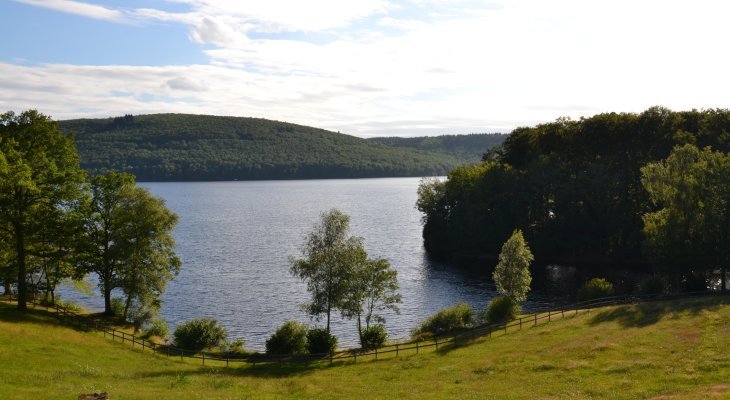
{"x": 372, "y": 289}
{"x": 40, "y": 187}
{"x": 448, "y": 320}
{"x": 512, "y": 274}
{"x": 117, "y": 307}
{"x": 129, "y": 242}
{"x": 328, "y": 266}
{"x": 574, "y": 187}
{"x": 468, "y": 148}
{"x": 198, "y": 334}
{"x": 290, "y": 338}
{"x": 180, "y": 147}
{"x": 374, "y": 337}
{"x": 689, "y": 233}
{"x": 321, "y": 341}
{"x": 157, "y": 327}
{"x": 596, "y": 288}
{"x": 234, "y": 348}
{"x": 502, "y": 309}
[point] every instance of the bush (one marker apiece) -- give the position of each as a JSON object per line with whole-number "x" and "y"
{"x": 373, "y": 337}
{"x": 233, "y": 349}
{"x": 595, "y": 289}
{"x": 290, "y": 338}
{"x": 320, "y": 341}
{"x": 502, "y": 309}
{"x": 448, "y": 320}
{"x": 117, "y": 306}
{"x": 198, "y": 334}
{"x": 651, "y": 285}
{"x": 157, "y": 327}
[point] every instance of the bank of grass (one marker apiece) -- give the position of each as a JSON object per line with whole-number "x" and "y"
{"x": 677, "y": 349}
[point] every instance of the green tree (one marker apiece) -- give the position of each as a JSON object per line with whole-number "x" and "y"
{"x": 512, "y": 274}
{"x": 129, "y": 242}
{"x": 374, "y": 289}
{"x": 330, "y": 259}
{"x": 105, "y": 252}
{"x": 40, "y": 172}
{"x": 690, "y": 229}
{"x": 149, "y": 258}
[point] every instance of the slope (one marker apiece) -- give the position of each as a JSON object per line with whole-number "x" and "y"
{"x": 676, "y": 349}
{"x": 468, "y": 148}
{"x": 183, "y": 147}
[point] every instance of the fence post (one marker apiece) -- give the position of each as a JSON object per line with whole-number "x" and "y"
{"x": 520, "y": 323}
{"x": 376, "y": 353}
{"x": 181, "y": 355}
{"x": 437, "y": 343}
{"x": 226, "y": 360}
{"x": 562, "y": 313}
{"x": 535, "y": 319}
{"x": 548, "y": 315}
{"x": 168, "y": 351}
{"x": 331, "y": 355}
{"x": 355, "y": 355}
{"x": 203, "y": 358}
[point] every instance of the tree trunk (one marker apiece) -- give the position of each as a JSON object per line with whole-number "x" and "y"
{"x": 359, "y": 329}
{"x": 107, "y": 298}
{"x": 126, "y": 307}
{"x": 20, "y": 252}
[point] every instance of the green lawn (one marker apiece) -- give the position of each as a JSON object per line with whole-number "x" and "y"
{"x": 678, "y": 349}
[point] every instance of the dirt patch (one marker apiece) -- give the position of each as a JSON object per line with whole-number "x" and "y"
{"x": 719, "y": 390}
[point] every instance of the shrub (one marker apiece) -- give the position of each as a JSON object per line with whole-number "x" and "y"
{"x": 502, "y": 309}
{"x": 157, "y": 327}
{"x": 448, "y": 320}
{"x": 595, "y": 289}
{"x": 198, "y": 334}
{"x": 373, "y": 337}
{"x": 233, "y": 349}
{"x": 651, "y": 285}
{"x": 290, "y": 338}
{"x": 320, "y": 341}
{"x": 117, "y": 306}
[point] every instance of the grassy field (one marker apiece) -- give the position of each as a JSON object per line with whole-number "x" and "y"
{"x": 671, "y": 350}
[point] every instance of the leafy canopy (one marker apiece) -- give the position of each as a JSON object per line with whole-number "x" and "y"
{"x": 512, "y": 274}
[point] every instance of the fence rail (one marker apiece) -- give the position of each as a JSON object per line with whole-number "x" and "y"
{"x": 488, "y": 330}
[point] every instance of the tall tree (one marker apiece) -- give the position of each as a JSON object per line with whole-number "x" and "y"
{"x": 42, "y": 172}
{"x": 129, "y": 242}
{"x": 690, "y": 230}
{"x": 373, "y": 289}
{"x": 512, "y": 274}
{"x": 104, "y": 251}
{"x": 148, "y": 248}
{"x": 330, "y": 258}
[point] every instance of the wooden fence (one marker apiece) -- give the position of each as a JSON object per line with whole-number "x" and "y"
{"x": 396, "y": 349}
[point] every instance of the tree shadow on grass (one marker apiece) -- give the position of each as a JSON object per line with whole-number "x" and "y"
{"x": 269, "y": 370}
{"x": 645, "y": 314}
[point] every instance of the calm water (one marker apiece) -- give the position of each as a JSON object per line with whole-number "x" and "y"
{"x": 235, "y": 238}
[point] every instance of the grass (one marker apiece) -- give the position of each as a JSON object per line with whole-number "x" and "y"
{"x": 669, "y": 350}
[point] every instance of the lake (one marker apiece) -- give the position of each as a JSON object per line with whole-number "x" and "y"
{"x": 235, "y": 240}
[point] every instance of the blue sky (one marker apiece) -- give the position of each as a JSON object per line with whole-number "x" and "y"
{"x": 366, "y": 67}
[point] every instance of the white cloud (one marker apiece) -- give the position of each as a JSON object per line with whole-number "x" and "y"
{"x": 479, "y": 69}
{"x": 78, "y": 8}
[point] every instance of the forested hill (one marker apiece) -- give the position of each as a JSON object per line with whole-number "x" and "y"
{"x": 469, "y": 148}
{"x": 183, "y": 147}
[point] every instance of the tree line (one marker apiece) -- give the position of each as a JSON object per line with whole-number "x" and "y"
{"x": 56, "y": 224}
{"x": 183, "y": 147}
{"x": 622, "y": 190}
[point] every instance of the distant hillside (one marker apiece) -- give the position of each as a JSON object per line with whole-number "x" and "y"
{"x": 468, "y": 148}
{"x": 183, "y": 147}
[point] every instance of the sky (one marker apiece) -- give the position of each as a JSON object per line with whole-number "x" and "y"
{"x": 365, "y": 67}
